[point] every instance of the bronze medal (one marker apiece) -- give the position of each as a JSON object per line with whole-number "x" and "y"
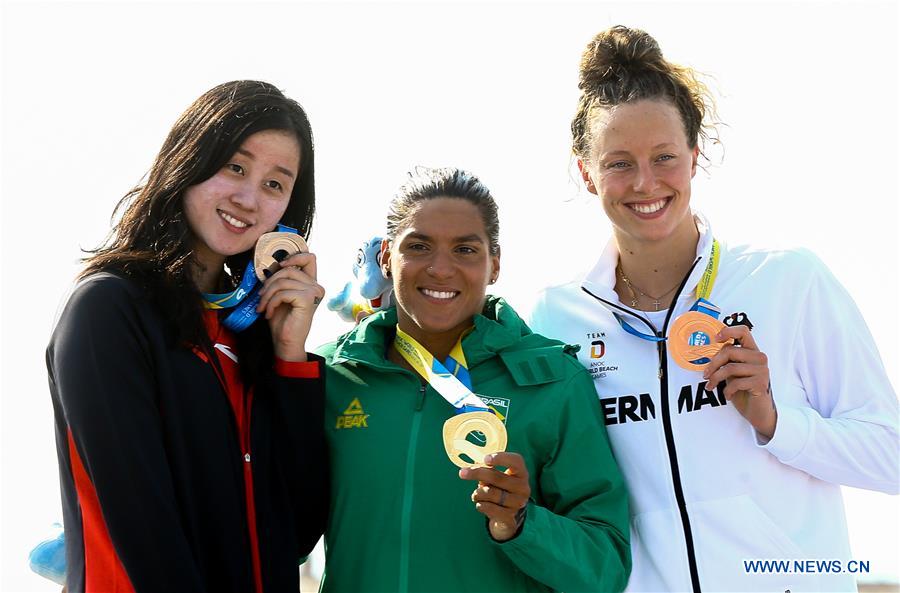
{"x": 457, "y": 428}
{"x": 692, "y": 340}
{"x": 269, "y": 245}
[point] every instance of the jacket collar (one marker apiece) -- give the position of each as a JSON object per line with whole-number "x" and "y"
{"x": 601, "y": 280}
{"x": 497, "y": 328}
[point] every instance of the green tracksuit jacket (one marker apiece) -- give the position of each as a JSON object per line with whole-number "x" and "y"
{"x": 402, "y": 519}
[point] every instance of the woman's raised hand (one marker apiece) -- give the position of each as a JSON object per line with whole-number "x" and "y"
{"x": 745, "y": 371}
{"x": 289, "y": 299}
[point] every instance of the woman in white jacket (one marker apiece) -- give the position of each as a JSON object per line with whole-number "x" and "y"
{"x": 735, "y": 455}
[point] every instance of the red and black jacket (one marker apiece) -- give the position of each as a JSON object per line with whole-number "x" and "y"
{"x": 169, "y": 467}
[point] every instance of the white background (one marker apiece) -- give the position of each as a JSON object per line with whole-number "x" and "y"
{"x": 809, "y": 91}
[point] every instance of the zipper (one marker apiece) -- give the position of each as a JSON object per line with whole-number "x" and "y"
{"x": 663, "y": 374}
{"x": 241, "y": 423}
{"x": 250, "y": 499}
{"x": 408, "y": 481}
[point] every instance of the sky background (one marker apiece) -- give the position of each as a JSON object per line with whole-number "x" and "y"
{"x": 808, "y": 92}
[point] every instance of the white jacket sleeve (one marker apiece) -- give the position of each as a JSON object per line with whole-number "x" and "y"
{"x": 848, "y": 434}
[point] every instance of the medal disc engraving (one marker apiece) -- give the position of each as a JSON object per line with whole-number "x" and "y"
{"x": 269, "y": 245}
{"x": 457, "y": 428}
{"x": 692, "y": 340}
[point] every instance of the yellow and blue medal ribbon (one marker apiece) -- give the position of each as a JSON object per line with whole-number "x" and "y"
{"x": 698, "y": 336}
{"x": 243, "y": 299}
{"x": 454, "y": 384}
{"x": 472, "y": 418}
{"x": 691, "y": 339}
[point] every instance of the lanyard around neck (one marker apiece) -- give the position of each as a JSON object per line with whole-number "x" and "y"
{"x": 453, "y": 384}
{"x": 705, "y": 286}
{"x": 702, "y": 293}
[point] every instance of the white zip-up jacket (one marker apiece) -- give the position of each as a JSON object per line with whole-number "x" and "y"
{"x": 706, "y": 491}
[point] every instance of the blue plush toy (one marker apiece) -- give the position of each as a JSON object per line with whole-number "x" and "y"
{"x": 48, "y": 558}
{"x": 369, "y": 291}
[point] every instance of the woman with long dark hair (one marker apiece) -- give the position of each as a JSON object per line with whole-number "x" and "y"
{"x": 189, "y": 436}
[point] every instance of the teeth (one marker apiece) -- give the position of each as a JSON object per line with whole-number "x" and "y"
{"x": 232, "y": 220}
{"x": 650, "y": 208}
{"x": 436, "y": 294}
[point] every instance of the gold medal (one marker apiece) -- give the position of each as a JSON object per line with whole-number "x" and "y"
{"x": 692, "y": 340}
{"x": 269, "y": 245}
{"x": 457, "y": 428}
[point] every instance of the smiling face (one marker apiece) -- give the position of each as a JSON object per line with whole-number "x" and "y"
{"x": 441, "y": 265}
{"x": 641, "y": 167}
{"x": 246, "y": 198}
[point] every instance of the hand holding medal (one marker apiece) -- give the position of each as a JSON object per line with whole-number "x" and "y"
{"x": 727, "y": 352}
{"x": 501, "y": 496}
{"x": 745, "y": 371}
{"x": 290, "y": 293}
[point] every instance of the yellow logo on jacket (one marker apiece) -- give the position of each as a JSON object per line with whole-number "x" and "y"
{"x": 353, "y": 417}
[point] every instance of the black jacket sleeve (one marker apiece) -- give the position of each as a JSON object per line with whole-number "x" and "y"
{"x": 303, "y": 455}
{"x": 102, "y": 379}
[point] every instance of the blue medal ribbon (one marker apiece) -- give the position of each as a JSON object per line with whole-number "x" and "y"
{"x": 457, "y": 366}
{"x": 706, "y": 307}
{"x": 244, "y": 299}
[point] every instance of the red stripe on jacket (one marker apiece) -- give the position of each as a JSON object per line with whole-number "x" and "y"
{"x": 103, "y": 569}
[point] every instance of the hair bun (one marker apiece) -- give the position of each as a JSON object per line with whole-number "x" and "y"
{"x": 617, "y": 53}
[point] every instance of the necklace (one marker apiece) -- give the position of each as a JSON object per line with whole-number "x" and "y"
{"x": 632, "y": 288}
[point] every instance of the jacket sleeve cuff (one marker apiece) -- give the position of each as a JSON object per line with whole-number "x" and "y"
{"x": 311, "y": 369}
{"x": 792, "y": 431}
{"x": 524, "y": 537}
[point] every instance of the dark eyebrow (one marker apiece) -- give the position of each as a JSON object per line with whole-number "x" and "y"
{"x": 252, "y": 157}
{"x": 473, "y": 238}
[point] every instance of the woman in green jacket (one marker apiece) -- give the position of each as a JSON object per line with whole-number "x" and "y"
{"x": 403, "y": 516}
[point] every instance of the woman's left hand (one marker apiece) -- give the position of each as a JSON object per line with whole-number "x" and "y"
{"x": 500, "y": 495}
{"x": 289, "y": 298}
{"x": 745, "y": 371}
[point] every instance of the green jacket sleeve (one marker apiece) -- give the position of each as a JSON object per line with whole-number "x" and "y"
{"x": 576, "y": 536}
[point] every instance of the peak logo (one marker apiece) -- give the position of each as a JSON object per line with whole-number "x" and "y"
{"x": 353, "y": 417}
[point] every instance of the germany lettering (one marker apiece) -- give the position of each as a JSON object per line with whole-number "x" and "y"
{"x": 638, "y": 408}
